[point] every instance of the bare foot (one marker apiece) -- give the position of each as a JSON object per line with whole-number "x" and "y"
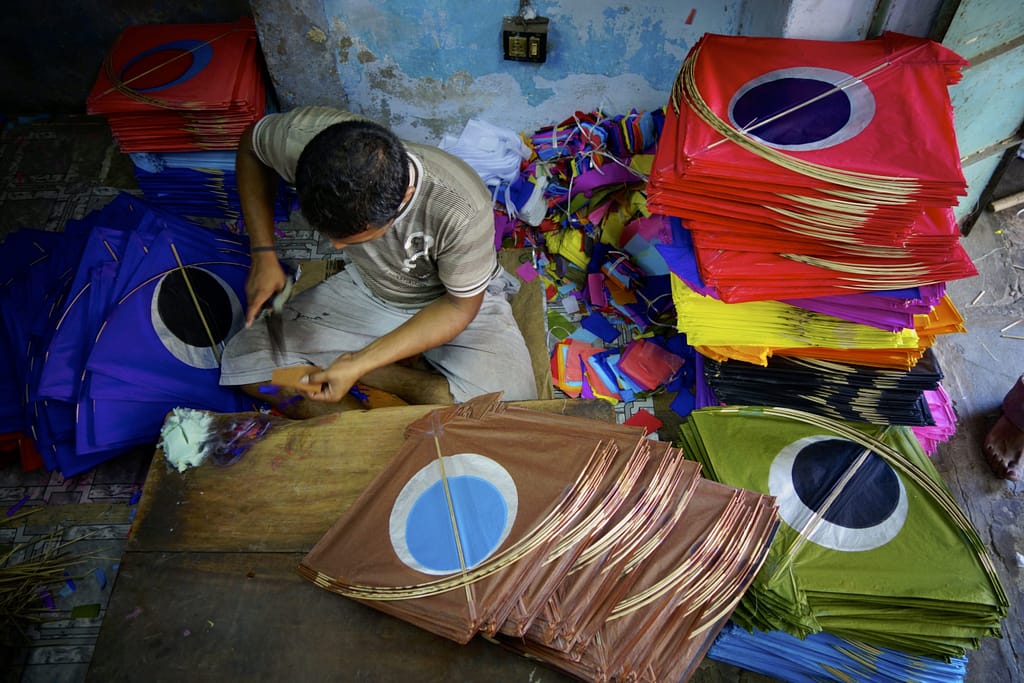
{"x": 1004, "y": 444}
{"x": 1004, "y": 449}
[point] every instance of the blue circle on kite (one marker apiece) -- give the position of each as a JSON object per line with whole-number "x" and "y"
{"x": 480, "y": 513}
{"x": 802, "y": 108}
{"x": 872, "y": 494}
{"x": 467, "y": 491}
{"x": 172, "y": 63}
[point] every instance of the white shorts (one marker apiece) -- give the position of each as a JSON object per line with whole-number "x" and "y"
{"x": 340, "y": 315}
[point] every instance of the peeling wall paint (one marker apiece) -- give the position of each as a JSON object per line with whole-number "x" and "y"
{"x": 425, "y": 68}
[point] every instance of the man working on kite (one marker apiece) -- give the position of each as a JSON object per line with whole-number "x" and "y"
{"x": 417, "y": 228}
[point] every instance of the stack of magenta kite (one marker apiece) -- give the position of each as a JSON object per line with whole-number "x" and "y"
{"x": 614, "y": 560}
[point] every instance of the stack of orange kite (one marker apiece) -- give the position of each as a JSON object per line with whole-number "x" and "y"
{"x": 810, "y": 168}
{"x": 181, "y": 87}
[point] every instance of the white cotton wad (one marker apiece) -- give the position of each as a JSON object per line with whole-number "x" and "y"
{"x": 185, "y": 438}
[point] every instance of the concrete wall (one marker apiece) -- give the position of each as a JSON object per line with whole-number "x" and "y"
{"x": 425, "y": 68}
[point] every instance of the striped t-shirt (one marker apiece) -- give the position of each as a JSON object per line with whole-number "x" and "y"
{"x": 442, "y": 241}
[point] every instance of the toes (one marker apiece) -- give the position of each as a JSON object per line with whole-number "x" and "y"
{"x": 999, "y": 468}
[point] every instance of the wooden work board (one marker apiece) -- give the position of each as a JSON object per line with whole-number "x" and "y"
{"x": 207, "y": 588}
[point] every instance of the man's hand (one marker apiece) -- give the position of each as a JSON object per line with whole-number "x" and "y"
{"x": 333, "y": 384}
{"x": 438, "y": 323}
{"x": 266, "y": 278}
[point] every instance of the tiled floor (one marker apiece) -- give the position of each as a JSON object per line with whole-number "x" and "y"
{"x": 54, "y": 170}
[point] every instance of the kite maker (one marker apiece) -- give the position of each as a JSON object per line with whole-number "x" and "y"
{"x": 421, "y": 276}
{"x": 1004, "y": 444}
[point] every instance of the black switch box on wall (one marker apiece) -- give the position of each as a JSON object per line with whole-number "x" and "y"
{"x": 525, "y": 40}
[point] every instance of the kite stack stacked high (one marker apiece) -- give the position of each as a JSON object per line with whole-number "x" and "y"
{"x": 810, "y": 186}
{"x": 176, "y": 94}
{"x": 181, "y": 87}
{"x": 112, "y": 324}
{"x": 863, "y": 511}
{"x": 580, "y": 542}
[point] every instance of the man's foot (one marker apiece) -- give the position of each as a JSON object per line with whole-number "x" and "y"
{"x": 1004, "y": 448}
{"x": 1004, "y": 443}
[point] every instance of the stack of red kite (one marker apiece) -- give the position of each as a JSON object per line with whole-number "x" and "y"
{"x": 181, "y": 87}
{"x": 810, "y": 168}
{"x": 585, "y": 543}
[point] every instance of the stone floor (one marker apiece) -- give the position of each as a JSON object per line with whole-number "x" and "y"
{"x": 53, "y": 170}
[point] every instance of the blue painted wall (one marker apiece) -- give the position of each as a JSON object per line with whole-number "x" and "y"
{"x": 425, "y": 68}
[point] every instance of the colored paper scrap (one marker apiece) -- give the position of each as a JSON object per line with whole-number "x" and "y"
{"x": 646, "y": 419}
{"x": 599, "y": 325}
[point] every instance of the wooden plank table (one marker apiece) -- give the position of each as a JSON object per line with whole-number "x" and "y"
{"x": 207, "y": 588}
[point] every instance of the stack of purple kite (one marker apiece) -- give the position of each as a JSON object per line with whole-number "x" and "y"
{"x": 111, "y": 324}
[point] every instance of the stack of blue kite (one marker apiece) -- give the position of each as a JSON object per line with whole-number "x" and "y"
{"x": 824, "y": 657}
{"x": 111, "y": 324}
{"x": 199, "y": 184}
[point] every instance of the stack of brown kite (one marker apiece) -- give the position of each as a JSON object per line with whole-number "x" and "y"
{"x": 589, "y": 545}
{"x": 181, "y": 87}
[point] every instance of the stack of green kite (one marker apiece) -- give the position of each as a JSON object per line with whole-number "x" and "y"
{"x": 872, "y": 546}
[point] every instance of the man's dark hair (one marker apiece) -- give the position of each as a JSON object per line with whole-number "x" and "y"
{"x": 351, "y": 177}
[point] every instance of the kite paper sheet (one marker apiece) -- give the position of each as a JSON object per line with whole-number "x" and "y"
{"x": 580, "y": 542}
{"x": 181, "y": 87}
{"x": 862, "y": 509}
{"x": 813, "y": 168}
{"x": 117, "y": 321}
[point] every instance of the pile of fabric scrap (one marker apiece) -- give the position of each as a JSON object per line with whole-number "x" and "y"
{"x": 614, "y": 560}
{"x": 610, "y": 310}
{"x": 113, "y": 323}
{"x": 177, "y": 98}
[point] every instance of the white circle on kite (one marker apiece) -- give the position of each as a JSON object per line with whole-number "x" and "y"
{"x": 868, "y": 512}
{"x": 484, "y": 503}
{"x": 187, "y": 335}
{"x": 802, "y": 109}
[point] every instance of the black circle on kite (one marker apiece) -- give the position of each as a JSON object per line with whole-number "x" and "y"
{"x": 802, "y": 108}
{"x": 166, "y": 65}
{"x": 837, "y": 493}
{"x": 192, "y": 311}
{"x": 868, "y": 499}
